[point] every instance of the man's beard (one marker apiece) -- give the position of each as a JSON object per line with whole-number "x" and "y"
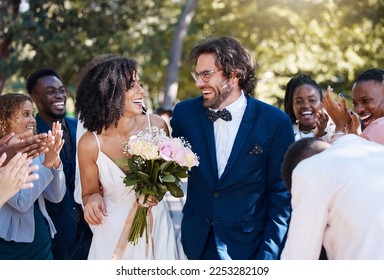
{"x": 57, "y": 116}
{"x": 219, "y": 96}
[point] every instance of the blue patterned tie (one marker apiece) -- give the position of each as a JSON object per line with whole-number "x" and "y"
{"x": 223, "y": 114}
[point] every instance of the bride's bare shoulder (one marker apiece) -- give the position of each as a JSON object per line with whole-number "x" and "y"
{"x": 158, "y": 121}
{"x": 87, "y": 142}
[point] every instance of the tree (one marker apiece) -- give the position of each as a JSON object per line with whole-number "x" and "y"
{"x": 9, "y": 11}
{"x": 171, "y": 78}
{"x": 331, "y": 40}
{"x": 287, "y": 37}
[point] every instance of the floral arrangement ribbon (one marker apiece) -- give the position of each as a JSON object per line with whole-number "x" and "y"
{"x": 123, "y": 241}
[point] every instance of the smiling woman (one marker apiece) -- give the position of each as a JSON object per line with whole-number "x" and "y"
{"x": 16, "y": 114}
{"x": 109, "y": 104}
{"x": 27, "y": 230}
{"x": 303, "y": 102}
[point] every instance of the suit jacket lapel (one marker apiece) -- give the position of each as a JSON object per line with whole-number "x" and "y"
{"x": 241, "y": 137}
{"x": 209, "y": 140}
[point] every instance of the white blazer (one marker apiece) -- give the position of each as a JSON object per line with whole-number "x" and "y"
{"x": 338, "y": 202}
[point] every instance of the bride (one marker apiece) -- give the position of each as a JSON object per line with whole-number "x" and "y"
{"x": 109, "y": 103}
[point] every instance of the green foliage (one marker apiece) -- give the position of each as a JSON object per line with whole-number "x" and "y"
{"x": 331, "y": 40}
{"x": 153, "y": 176}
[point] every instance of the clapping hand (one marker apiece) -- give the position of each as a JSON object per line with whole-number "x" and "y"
{"x": 52, "y": 157}
{"x": 321, "y": 123}
{"x": 345, "y": 120}
{"x": 17, "y": 174}
{"x": 32, "y": 145}
{"x": 339, "y": 113}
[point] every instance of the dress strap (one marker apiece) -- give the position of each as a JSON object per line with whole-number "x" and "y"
{"x": 149, "y": 122}
{"x": 97, "y": 139}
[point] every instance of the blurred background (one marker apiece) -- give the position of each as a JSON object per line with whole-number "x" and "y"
{"x": 330, "y": 40}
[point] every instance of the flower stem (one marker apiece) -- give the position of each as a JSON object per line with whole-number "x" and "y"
{"x": 139, "y": 225}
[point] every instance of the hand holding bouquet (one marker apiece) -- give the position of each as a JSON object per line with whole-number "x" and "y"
{"x": 155, "y": 164}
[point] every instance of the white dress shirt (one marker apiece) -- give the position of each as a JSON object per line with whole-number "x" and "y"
{"x": 226, "y": 131}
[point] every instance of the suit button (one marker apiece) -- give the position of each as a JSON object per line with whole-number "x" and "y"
{"x": 208, "y": 221}
{"x": 216, "y": 194}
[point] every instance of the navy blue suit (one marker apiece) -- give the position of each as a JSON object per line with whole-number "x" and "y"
{"x": 248, "y": 208}
{"x": 73, "y": 237}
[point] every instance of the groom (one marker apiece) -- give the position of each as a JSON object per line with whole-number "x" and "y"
{"x": 237, "y": 205}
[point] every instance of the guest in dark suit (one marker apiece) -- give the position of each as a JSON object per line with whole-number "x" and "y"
{"x": 237, "y": 206}
{"x": 73, "y": 236}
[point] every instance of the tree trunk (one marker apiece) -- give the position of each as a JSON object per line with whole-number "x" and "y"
{"x": 171, "y": 83}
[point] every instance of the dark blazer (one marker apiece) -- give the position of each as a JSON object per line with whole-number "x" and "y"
{"x": 248, "y": 208}
{"x": 67, "y": 214}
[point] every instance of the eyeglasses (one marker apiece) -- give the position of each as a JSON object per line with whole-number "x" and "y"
{"x": 205, "y": 75}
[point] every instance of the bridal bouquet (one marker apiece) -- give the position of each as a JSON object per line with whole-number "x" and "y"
{"x": 155, "y": 164}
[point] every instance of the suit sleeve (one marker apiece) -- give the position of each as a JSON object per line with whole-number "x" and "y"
{"x": 25, "y": 198}
{"x": 56, "y": 188}
{"x": 279, "y": 199}
{"x": 174, "y": 125}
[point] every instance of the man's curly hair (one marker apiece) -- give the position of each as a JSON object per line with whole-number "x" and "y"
{"x": 11, "y": 106}
{"x": 100, "y": 96}
{"x": 231, "y": 58}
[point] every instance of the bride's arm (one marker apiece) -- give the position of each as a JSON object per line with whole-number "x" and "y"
{"x": 94, "y": 207}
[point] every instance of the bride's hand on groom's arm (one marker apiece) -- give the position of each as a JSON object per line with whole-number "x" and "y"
{"x": 94, "y": 209}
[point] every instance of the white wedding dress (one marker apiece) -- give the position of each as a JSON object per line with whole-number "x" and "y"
{"x": 119, "y": 200}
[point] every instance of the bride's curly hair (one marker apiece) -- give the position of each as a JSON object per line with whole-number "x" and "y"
{"x": 100, "y": 96}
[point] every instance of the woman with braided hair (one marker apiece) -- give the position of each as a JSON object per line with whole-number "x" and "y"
{"x": 303, "y": 102}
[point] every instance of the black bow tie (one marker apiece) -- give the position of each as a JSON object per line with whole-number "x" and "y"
{"x": 223, "y": 114}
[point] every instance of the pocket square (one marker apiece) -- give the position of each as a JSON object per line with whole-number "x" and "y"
{"x": 257, "y": 149}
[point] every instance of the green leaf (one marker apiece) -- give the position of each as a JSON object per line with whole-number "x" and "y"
{"x": 131, "y": 165}
{"x": 160, "y": 196}
{"x": 148, "y": 191}
{"x": 161, "y": 188}
{"x": 175, "y": 190}
{"x": 169, "y": 178}
{"x": 122, "y": 163}
{"x": 130, "y": 182}
{"x": 144, "y": 177}
{"x": 165, "y": 165}
{"x": 154, "y": 174}
{"x": 181, "y": 173}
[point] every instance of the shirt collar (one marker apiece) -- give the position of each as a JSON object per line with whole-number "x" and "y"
{"x": 233, "y": 107}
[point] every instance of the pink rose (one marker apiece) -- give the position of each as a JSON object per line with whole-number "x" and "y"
{"x": 166, "y": 151}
